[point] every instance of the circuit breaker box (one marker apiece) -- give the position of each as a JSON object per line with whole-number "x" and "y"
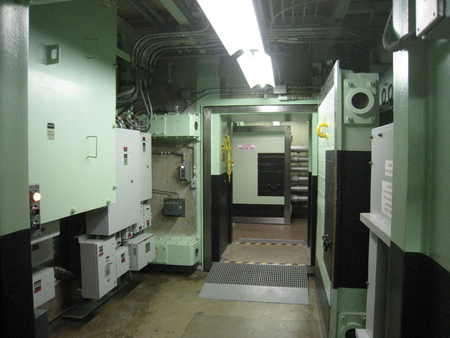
{"x": 142, "y": 250}
{"x": 98, "y": 267}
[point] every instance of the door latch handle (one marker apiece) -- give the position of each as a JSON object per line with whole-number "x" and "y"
{"x": 326, "y": 243}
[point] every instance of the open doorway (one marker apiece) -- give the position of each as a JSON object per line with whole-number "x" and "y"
{"x": 270, "y": 173}
{"x": 296, "y": 228}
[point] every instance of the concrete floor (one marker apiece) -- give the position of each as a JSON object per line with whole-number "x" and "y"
{"x": 163, "y": 302}
{"x": 297, "y": 230}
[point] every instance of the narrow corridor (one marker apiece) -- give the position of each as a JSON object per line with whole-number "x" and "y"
{"x": 163, "y": 302}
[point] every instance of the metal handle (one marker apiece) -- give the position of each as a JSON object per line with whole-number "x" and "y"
{"x": 319, "y": 131}
{"x": 96, "y": 146}
{"x": 326, "y": 243}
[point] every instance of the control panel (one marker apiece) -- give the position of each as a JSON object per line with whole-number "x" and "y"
{"x": 35, "y": 210}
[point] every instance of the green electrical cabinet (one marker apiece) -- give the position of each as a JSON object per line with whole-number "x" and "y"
{"x": 72, "y": 106}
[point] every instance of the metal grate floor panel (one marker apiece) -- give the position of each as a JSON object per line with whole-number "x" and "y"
{"x": 287, "y": 284}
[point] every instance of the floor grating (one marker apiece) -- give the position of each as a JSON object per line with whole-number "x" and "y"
{"x": 287, "y": 284}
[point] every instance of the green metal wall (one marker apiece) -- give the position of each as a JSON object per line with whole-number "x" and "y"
{"x": 245, "y": 178}
{"x": 421, "y": 79}
{"x": 437, "y": 163}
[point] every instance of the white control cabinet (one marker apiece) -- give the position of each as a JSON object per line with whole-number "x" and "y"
{"x": 98, "y": 267}
{"x": 126, "y": 211}
{"x": 142, "y": 250}
{"x": 43, "y": 286}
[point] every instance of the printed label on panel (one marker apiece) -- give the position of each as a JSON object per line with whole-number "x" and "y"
{"x": 386, "y": 198}
{"x": 389, "y": 168}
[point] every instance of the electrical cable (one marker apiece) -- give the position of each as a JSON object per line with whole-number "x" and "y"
{"x": 332, "y": 32}
{"x": 390, "y": 41}
{"x": 165, "y": 192}
{"x": 146, "y": 52}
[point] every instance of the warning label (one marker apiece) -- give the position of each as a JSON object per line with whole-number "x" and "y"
{"x": 389, "y": 168}
{"x": 386, "y": 198}
{"x": 50, "y": 131}
{"x": 246, "y": 146}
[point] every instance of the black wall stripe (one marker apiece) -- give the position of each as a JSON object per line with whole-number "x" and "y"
{"x": 258, "y": 210}
{"x": 418, "y": 296}
{"x": 16, "y": 297}
{"x": 221, "y": 214}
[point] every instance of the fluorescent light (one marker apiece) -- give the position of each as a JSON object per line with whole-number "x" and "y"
{"x": 257, "y": 68}
{"x": 235, "y": 23}
{"x": 237, "y": 27}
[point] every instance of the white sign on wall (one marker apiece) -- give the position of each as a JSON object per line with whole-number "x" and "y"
{"x": 246, "y": 146}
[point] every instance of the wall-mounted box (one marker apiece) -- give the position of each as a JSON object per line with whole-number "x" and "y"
{"x": 183, "y": 251}
{"x": 176, "y": 125}
{"x": 98, "y": 267}
{"x": 142, "y": 250}
{"x": 122, "y": 260}
{"x": 43, "y": 286}
{"x": 174, "y": 207}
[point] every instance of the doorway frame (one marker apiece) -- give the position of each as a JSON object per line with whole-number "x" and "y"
{"x": 207, "y": 112}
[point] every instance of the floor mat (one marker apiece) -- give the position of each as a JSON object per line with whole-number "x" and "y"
{"x": 267, "y": 251}
{"x": 286, "y": 284}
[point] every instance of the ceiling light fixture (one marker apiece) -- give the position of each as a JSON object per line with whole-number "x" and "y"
{"x": 257, "y": 68}
{"x": 237, "y": 27}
